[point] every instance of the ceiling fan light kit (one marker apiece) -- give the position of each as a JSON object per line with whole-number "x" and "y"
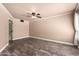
{"x": 33, "y": 13}
{"x": 36, "y": 15}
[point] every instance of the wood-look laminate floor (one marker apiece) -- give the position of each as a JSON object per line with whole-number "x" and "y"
{"x": 36, "y": 47}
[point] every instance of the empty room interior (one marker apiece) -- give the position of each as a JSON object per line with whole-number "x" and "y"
{"x": 39, "y": 29}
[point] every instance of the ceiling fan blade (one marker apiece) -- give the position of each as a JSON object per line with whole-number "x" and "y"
{"x": 38, "y": 16}
{"x": 26, "y": 15}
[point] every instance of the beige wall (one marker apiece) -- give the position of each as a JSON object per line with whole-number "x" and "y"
{"x": 58, "y": 28}
{"x": 20, "y": 29}
{"x": 4, "y": 15}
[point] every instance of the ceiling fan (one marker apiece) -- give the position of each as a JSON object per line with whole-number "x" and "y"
{"x": 32, "y": 15}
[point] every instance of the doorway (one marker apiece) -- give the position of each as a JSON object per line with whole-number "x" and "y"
{"x": 10, "y": 31}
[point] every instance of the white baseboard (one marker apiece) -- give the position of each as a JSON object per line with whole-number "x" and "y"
{"x": 45, "y": 39}
{"x": 3, "y": 47}
{"x": 52, "y": 40}
{"x": 20, "y": 37}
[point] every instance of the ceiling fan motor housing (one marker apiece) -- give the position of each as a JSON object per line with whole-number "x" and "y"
{"x": 36, "y": 15}
{"x": 33, "y": 13}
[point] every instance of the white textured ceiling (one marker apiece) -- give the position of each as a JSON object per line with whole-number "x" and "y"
{"x": 45, "y": 9}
